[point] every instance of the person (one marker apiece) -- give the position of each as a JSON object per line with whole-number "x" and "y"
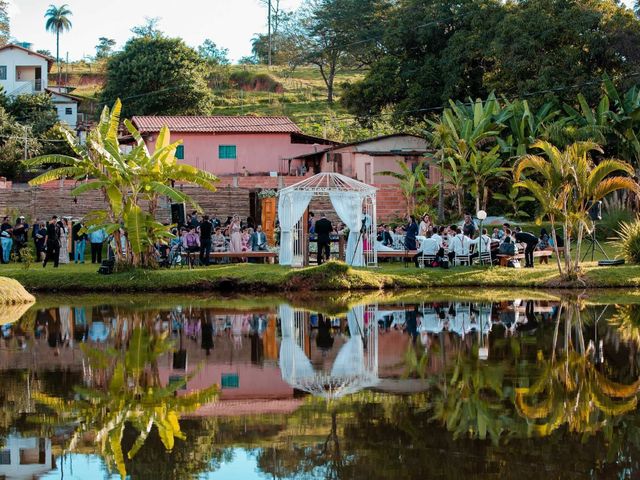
{"x": 437, "y": 234}
{"x": 39, "y": 233}
{"x": 97, "y": 238}
{"x": 64, "y": 241}
{"x": 411, "y": 230}
{"x": 425, "y": 225}
{"x": 459, "y": 244}
{"x": 218, "y": 241}
{"x": 20, "y": 235}
{"x": 235, "y": 237}
{"x": 312, "y": 222}
{"x": 497, "y": 234}
{"x": 323, "y": 229}
{"x": 52, "y": 241}
{"x": 482, "y": 242}
{"x": 206, "y": 229}
{"x": 6, "y": 241}
{"x": 531, "y": 242}
{"x": 324, "y": 339}
{"x": 544, "y": 244}
{"x": 507, "y": 247}
{"x": 258, "y": 241}
{"x": 191, "y": 241}
{"x": 206, "y": 329}
{"x": 79, "y": 238}
{"x": 246, "y": 239}
{"x": 193, "y": 222}
{"x": 428, "y": 246}
{"x": 468, "y": 227}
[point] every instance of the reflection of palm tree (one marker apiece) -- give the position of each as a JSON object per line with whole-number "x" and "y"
{"x": 570, "y": 389}
{"x": 131, "y": 394}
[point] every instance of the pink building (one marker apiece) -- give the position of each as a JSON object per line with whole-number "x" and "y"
{"x": 233, "y": 145}
{"x": 364, "y": 160}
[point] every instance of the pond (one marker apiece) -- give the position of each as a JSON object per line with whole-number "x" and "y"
{"x": 423, "y": 384}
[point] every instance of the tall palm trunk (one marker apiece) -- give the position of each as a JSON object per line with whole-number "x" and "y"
{"x": 556, "y": 250}
{"x": 441, "y": 191}
{"x": 58, "y": 54}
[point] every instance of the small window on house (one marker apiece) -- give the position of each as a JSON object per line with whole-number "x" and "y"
{"x": 68, "y": 111}
{"x": 227, "y": 152}
{"x": 230, "y": 380}
{"x": 180, "y": 152}
{"x": 5, "y": 455}
{"x": 3, "y": 72}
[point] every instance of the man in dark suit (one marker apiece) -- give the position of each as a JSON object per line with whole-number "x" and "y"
{"x": 258, "y": 240}
{"x": 323, "y": 229}
{"x": 206, "y": 230}
{"x": 531, "y": 242}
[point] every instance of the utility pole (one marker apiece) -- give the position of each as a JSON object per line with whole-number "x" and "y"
{"x": 26, "y": 140}
{"x": 269, "y": 31}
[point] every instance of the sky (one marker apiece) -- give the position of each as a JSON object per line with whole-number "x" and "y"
{"x": 229, "y": 23}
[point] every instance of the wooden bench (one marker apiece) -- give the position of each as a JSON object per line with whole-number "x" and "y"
{"x": 408, "y": 254}
{"x": 270, "y": 257}
{"x": 504, "y": 259}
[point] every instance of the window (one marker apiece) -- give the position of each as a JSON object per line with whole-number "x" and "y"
{"x": 180, "y": 152}
{"x": 230, "y": 380}
{"x": 3, "y": 72}
{"x": 5, "y": 455}
{"x": 68, "y": 111}
{"x": 227, "y": 152}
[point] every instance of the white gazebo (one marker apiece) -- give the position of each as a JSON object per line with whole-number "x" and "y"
{"x": 355, "y": 368}
{"x": 353, "y": 201}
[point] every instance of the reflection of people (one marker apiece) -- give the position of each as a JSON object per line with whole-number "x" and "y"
{"x": 324, "y": 340}
{"x": 207, "y": 335}
{"x": 323, "y": 229}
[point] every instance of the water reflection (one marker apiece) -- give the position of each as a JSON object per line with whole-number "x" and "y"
{"x": 358, "y": 390}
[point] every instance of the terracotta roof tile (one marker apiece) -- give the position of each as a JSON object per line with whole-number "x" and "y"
{"x": 216, "y": 124}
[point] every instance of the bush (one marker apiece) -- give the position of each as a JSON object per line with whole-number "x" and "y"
{"x": 629, "y": 244}
{"x": 612, "y": 221}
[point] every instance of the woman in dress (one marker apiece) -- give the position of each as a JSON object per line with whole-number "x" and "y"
{"x": 425, "y": 225}
{"x": 246, "y": 238}
{"x": 64, "y": 241}
{"x": 235, "y": 237}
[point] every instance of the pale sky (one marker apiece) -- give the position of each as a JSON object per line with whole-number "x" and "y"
{"x": 229, "y": 23}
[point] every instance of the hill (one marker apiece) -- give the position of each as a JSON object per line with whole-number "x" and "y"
{"x": 249, "y": 89}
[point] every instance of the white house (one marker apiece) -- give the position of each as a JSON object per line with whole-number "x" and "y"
{"x": 25, "y": 457}
{"x": 25, "y": 72}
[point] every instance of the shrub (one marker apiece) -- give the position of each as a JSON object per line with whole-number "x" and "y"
{"x": 629, "y": 244}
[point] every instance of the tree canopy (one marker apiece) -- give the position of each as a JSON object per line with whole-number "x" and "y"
{"x": 430, "y": 51}
{"x": 158, "y": 75}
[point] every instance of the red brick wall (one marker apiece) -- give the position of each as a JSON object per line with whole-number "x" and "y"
{"x": 232, "y": 197}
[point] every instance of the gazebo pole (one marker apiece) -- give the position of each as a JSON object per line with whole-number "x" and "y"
{"x": 305, "y": 238}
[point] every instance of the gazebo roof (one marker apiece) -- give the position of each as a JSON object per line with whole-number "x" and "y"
{"x": 330, "y": 182}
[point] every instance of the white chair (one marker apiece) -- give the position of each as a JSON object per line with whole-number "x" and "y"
{"x": 462, "y": 259}
{"x": 484, "y": 258}
{"x": 425, "y": 259}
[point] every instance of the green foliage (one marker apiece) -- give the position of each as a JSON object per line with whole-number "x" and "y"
{"x": 612, "y": 220}
{"x": 432, "y": 51}
{"x": 629, "y": 243}
{"x": 159, "y": 76}
{"x": 126, "y": 180}
{"x": 213, "y": 54}
{"x": 515, "y": 202}
{"x": 248, "y": 80}
{"x": 104, "y": 48}
{"x": 5, "y": 27}
{"x": 413, "y": 183}
{"x": 37, "y": 111}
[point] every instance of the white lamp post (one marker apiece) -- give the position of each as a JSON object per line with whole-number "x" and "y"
{"x": 482, "y": 216}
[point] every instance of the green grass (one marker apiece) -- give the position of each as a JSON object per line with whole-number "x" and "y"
{"x": 254, "y": 278}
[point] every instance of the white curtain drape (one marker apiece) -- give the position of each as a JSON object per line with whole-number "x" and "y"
{"x": 348, "y": 206}
{"x": 294, "y": 364}
{"x": 291, "y": 207}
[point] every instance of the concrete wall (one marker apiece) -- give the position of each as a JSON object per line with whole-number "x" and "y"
{"x": 15, "y": 57}
{"x": 257, "y": 152}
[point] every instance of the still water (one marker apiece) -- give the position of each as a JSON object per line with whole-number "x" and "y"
{"x": 446, "y": 385}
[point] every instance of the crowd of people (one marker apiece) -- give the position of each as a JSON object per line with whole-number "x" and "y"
{"x": 204, "y": 234}
{"x": 58, "y": 240}
{"x": 446, "y": 243}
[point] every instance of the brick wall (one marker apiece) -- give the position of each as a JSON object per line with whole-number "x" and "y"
{"x": 232, "y": 197}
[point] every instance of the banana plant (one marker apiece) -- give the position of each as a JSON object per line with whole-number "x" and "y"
{"x": 128, "y": 180}
{"x": 127, "y": 392}
{"x": 515, "y": 202}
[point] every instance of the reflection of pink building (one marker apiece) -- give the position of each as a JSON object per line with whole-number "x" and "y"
{"x": 232, "y": 145}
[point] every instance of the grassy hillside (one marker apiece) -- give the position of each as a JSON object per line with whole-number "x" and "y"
{"x": 300, "y": 93}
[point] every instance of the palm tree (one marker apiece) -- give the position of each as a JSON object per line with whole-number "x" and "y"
{"x": 568, "y": 184}
{"x": 413, "y": 183}
{"x": 58, "y": 22}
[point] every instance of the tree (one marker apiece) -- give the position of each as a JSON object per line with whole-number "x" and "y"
{"x": 566, "y": 184}
{"x": 104, "y": 48}
{"x": 210, "y": 52}
{"x": 325, "y": 35}
{"x": 127, "y": 181}
{"x": 413, "y": 183}
{"x": 148, "y": 29}
{"x": 159, "y": 76}
{"x": 37, "y": 111}
{"x": 42, "y": 51}
{"x": 58, "y": 22}
{"x": 5, "y": 26}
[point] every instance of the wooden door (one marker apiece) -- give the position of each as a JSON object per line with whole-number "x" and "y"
{"x": 268, "y": 219}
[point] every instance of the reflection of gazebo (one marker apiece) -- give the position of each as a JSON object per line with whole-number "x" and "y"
{"x": 353, "y": 201}
{"x": 355, "y": 367}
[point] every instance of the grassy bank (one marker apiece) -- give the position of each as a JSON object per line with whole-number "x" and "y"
{"x": 251, "y": 278}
